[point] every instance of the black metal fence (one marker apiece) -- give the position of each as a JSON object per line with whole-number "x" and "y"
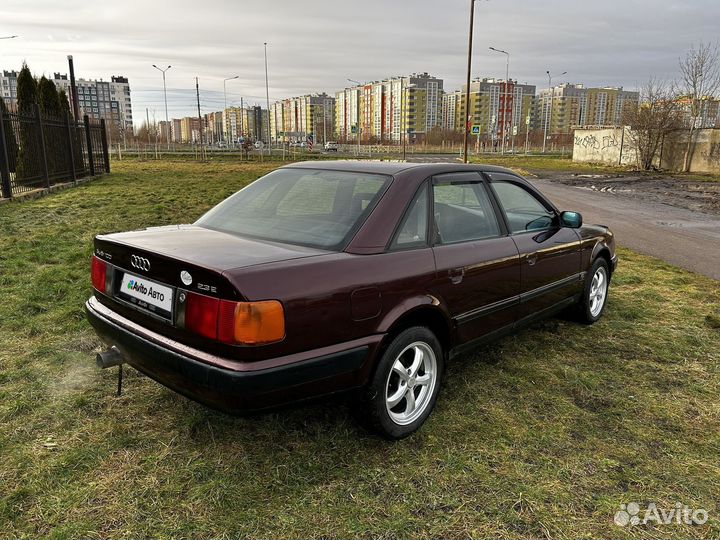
{"x": 39, "y": 151}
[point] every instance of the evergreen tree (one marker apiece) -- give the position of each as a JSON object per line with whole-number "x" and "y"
{"x": 64, "y": 102}
{"x": 26, "y": 90}
{"x": 49, "y": 103}
{"x": 28, "y": 165}
{"x": 48, "y": 98}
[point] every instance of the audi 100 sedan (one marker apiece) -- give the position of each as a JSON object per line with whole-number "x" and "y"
{"x": 326, "y": 277}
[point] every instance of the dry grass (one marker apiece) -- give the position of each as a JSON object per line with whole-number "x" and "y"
{"x": 543, "y": 434}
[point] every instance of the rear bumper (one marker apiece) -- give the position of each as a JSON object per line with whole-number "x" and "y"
{"x": 211, "y": 381}
{"x": 613, "y": 263}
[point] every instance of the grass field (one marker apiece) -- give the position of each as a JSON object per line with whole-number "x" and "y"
{"x": 543, "y": 434}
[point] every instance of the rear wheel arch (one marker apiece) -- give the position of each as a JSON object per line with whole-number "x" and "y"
{"x": 429, "y": 316}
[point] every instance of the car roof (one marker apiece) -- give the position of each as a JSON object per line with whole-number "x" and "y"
{"x": 393, "y": 167}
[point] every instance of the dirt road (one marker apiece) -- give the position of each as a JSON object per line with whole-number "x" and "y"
{"x": 681, "y": 236}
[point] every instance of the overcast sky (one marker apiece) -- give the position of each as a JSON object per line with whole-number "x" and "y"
{"x": 314, "y": 45}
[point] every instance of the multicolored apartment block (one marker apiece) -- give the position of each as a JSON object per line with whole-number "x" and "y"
{"x": 498, "y": 108}
{"x": 567, "y": 106}
{"x": 297, "y": 118}
{"x": 383, "y": 111}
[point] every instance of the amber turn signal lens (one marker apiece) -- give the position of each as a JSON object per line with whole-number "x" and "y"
{"x": 259, "y": 322}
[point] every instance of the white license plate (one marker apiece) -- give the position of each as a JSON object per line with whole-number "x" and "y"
{"x": 147, "y": 294}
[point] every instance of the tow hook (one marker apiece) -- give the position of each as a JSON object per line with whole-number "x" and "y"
{"x": 109, "y": 358}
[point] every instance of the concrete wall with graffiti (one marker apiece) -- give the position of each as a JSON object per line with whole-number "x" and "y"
{"x": 614, "y": 146}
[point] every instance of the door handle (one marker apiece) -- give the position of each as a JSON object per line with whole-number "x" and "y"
{"x": 456, "y": 275}
{"x": 532, "y": 259}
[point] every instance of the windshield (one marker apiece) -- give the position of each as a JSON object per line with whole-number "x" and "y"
{"x": 309, "y": 207}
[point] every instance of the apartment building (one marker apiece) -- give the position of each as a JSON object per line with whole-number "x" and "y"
{"x": 498, "y": 107}
{"x": 709, "y": 112}
{"x": 299, "y": 117}
{"x": 213, "y": 127}
{"x": 98, "y": 99}
{"x": 244, "y": 123}
{"x": 384, "y": 110}
{"x": 190, "y": 130}
{"x": 567, "y": 106}
{"x": 8, "y": 87}
{"x": 176, "y": 130}
{"x": 255, "y": 123}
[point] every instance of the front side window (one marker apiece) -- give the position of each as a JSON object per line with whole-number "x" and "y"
{"x": 462, "y": 210}
{"x": 523, "y": 211}
{"x": 309, "y": 207}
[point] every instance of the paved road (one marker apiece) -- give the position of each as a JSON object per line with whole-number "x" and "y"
{"x": 682, "y": 237}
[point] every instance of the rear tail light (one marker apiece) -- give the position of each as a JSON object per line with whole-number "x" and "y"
{"x": 201, "y": 315}
{"x": 245, "y": 323}
{"x": 99, "y": 274}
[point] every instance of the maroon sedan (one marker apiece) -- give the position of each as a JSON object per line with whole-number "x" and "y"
{"x": 332, "y": 276}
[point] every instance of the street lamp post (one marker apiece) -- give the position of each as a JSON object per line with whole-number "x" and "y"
{"x": 467, "y": 92}
{"x": 357, "y": 126}
{"x": 548, "y": 115}
{"x": 167, "y": 120}
{"x": 504, "y": 112}
{"x": 225, "y": 113}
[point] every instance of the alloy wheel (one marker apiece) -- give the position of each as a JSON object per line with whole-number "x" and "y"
{"x": 410, "y": 383}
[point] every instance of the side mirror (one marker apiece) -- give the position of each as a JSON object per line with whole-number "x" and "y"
{"x": 571, "y": 219}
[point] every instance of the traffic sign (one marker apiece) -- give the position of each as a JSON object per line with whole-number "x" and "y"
{"x": 475, "y": 130}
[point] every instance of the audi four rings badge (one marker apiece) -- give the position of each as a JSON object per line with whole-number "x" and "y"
{"x": 141, "y": 263}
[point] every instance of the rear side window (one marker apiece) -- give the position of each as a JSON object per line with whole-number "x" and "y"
{"x": 523, "y": 211}
{"x": 414, "y": 227}
{"x": 462, "y": 210}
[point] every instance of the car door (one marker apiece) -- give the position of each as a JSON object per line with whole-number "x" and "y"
{"x": 477, "y": 264}
{"x": 550, "y": 254}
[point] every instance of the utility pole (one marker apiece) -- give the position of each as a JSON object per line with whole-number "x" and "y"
{"x": 167, "y": 118}
{"x": 548, "y": 115}
{"x": 197, "y": 93}
{"x": 73, "y": 89}
{"x": 466, "y": 120}
{"x": 267, "y": 99}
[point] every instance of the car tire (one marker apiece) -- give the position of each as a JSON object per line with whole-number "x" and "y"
{"x": 404, "y": 388}
{"x": 595, "y": 292}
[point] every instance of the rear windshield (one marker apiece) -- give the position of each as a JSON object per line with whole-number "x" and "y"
{"x": 308, "y": 207}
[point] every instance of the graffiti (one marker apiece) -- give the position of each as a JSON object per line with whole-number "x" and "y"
{"x": 593, "y": 143}
{"x": 588, "y": 141}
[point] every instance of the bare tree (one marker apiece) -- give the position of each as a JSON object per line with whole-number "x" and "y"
{"x": 657, "y": 114}
{"x": 699, "y": 81}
